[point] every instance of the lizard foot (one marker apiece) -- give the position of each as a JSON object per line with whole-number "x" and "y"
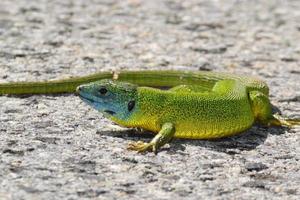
{"x": 142, "y": 146}
{"x": 278, "y": 120}
{"x": 165, "y": 135}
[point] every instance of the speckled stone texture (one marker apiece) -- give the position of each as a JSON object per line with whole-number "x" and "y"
{"x": 56, "y": 147}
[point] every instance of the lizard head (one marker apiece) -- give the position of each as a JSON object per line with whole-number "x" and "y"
{"x": 116, "y": 100}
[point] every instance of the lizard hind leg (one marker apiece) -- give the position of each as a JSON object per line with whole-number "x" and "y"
{"x": 262, "y": 110}
{"x": 278, "y": 120}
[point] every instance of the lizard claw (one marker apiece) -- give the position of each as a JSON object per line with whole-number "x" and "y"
{"x": 141, "y": 146}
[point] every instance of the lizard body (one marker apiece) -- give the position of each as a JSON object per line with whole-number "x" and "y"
{"x": 199, "y": 105}
{"x": 195, "y": 115}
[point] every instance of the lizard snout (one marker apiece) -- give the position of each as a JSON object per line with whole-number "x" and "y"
{"x": 78, "y": 89}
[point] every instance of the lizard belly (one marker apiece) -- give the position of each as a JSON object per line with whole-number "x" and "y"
{"x": 213, "y": 120}
{"x": 200, "y": 130}
{"x": 202, "y": 123}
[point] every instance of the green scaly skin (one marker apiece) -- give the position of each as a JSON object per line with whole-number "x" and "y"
{"x": 199, "y": 105}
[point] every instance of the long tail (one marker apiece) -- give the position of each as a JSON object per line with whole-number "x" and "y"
{"x": 143, "y": 78}
{"x": 49, "y": 87}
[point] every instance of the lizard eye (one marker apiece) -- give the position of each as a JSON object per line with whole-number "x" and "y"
{"x": 102, "y": 91}
{"x": 131, "y": 105}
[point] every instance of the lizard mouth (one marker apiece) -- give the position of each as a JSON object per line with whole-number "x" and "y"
{"x": 92, "y": 101}
{"x": 86, "y": 99}
{"x": 110, "y": 112}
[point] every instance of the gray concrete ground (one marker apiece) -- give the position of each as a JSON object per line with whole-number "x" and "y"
{"x": 56, "y": 147}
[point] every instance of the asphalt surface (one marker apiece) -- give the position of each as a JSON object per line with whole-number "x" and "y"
{"x": 56, "y": 147}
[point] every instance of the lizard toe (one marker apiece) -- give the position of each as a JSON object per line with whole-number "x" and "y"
{"x": 140, "y": 146}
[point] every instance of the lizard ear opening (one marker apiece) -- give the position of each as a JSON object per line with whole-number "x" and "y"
{"x": 131, "y": 105}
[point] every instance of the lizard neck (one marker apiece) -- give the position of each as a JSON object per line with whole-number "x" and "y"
{"x": 149, "y": 107}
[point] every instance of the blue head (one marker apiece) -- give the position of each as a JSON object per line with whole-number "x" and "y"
{"x": 116, "y": 100}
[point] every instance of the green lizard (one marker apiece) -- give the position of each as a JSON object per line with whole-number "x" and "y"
{"x": 198, "y": 105}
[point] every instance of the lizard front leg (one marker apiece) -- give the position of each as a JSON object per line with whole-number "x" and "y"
{"x": 164, "y": 136}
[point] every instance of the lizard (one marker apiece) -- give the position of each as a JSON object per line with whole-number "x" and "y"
{"x": 192, "y": 105}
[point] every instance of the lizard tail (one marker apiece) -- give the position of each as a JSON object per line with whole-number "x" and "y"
{"x": 50, "y": 87}
{"x": 142, "y": 78}
{"x": 203, "y": 79}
